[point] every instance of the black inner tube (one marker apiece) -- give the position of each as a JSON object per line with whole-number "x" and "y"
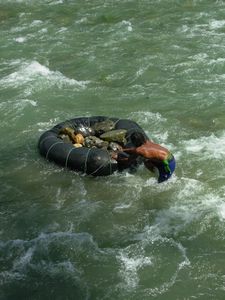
{"x": 91, "y": 161}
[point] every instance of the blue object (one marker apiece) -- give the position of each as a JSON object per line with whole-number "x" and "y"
{"x": 166, "y": 169}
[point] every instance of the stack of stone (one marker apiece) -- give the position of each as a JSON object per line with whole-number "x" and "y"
{"x": 101, "y": 135}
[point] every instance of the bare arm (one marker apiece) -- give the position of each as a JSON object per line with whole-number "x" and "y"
{"x": 130, "y": 150}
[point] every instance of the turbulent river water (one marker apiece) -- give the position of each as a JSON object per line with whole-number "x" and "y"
{"x": 160, "y": 63}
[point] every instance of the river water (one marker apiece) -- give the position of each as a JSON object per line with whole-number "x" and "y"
{"x": 160, "y": 63}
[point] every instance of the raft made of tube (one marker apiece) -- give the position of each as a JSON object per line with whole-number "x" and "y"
{"x": 87, "y": 160}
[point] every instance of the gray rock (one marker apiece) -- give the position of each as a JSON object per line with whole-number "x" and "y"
{"x": 85, "y": 130}
{"x": 118, "y": 135}
{"x": 115, "y": 147}
{"x": 66, "y": 139}
{"x": 103, "y": 126}
{"x": 93, "y": 141}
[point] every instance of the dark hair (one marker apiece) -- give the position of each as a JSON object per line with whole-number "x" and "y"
{"x": 138, "y": 138}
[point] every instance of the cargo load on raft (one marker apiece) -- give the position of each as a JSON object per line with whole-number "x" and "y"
{"x": 91, "y": 145}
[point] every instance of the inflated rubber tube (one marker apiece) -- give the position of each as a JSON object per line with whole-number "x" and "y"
{"x": 91, "y": 161}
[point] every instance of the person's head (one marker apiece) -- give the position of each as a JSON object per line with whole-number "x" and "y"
{"x": 138, "y": 138}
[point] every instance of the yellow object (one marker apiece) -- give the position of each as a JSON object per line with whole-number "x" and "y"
{"x": 77, "y": 145}
{"x": 70, "y": 132}
{"x": 75, "y": 138}
{"x": 79, "y": 138}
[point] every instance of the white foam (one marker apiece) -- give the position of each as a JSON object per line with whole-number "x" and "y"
{"x": 141, "y": 257}
{"x": 200, "y": 56}
{"x": 82, "y": 20}
{"x": 43, "y": 30}
{"x": 190, "y": 202}
{"x": 172, "y": 220}
{"x": 25, "y": 102}
{"x": 141, "y": 70}
{"x": 214, "y": 204}
{"x": 218, "y": 60}
{"x": 60, "y": 200}
{"x": 34, "y": 76}
{"x": 211, "y": 147}
{"x": 14, "y": 109}
{"x": 18, "y": 104}
{"x": 24, "y": 259}
{"x": 184, "y": 28}
{"x": 217, "y": 24}
{"x": 131, "y": 266}
{"x": 56, "y": 2}
{"x": 145, "y": 117}
{"x": 36, "y": 23}
{"x": 14, "y": 62}
{"x": 23, "y": 255}
{"x": 20, "y": 39}
{"x": 221, "y": 211}
{"x": 121, "y": 31}
{"x": 190, "y": 188}
{"x": 62, "y": 30}
{"x": 121, "y": 207}
{"x": 162, "y": 137}
{"x": 18, "y": 29}
{"x": 128, "y": 25}
{"x": 168, "y": 284}
{"x": 44, "y": 125}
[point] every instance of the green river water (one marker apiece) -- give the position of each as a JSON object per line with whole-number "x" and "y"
{"x": 160, "y": 63}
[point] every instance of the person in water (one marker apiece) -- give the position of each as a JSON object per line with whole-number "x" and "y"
{"x": 154, "y": 155}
